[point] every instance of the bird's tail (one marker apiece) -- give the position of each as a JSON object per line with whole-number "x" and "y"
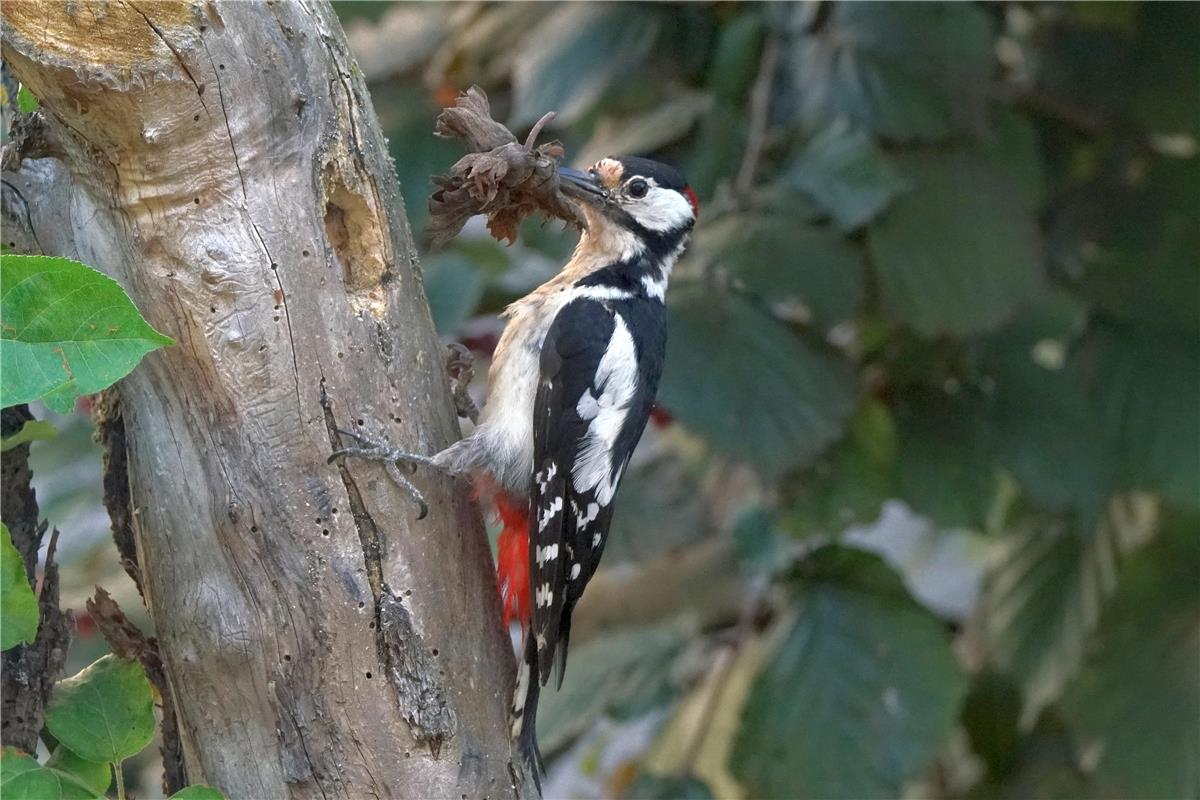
{"x": 524, "y": 711}
{"x": 512, "y": 558}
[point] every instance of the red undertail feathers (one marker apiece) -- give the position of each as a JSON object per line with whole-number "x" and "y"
{"x": 512, "y": 558}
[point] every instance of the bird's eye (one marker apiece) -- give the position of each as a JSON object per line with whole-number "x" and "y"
{"x": 638, "y": 188}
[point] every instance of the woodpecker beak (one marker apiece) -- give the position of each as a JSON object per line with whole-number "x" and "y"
{"x": 581, "y": 185}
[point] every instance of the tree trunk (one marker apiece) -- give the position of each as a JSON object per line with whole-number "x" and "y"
{"x": 223, "y": 162}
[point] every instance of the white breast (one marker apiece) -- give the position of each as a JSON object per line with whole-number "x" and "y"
{"x": 505, "y": 432}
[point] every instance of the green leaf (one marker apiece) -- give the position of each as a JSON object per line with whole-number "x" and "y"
{"x": 105, "y": 712}
{"x": 22, "y": 778}
{"x": 1148, "y": 385}
{"x": 26, "y": 102}
{"x": 624, "y": 674}
{"x": 1166, "y": 79}
{"x": 757, "y": 544}
{"x": 945, "y": 468}
{"x": 646, "y": 132}
{"x": 905, "y": 71}
{"x": 197, "y": 792}
{"x": 1137, "y": 700}
{"x": 990, "y": 715}
{"x": 1043, "y": 417}
{"x": 575, "y": 53}
{"x": 787, "y": 263}
{"x": 1013, "y": 149}
{"x": 957, "y": 254}
{"x": 1044, "y": 597}
{"x": 65, "y": 330}
{"x": 34, "y": 430}
{"x": 716, "y": 145}
{"x": 18, "y": 607}
{"x": 860, "y": 695}
{"x": 13, "y": 764}
{"x": 853, "y": 482}
{"x": 95, "y": 775}
{"x": 1133, "y": 249}
{"x": 719, "y": 348}
{"x": 735, "y": 57}
{"x": 846, "y": 174}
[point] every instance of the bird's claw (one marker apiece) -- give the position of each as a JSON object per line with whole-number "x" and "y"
{"x": 391, "y": 457}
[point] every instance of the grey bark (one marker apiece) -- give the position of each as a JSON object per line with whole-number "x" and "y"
{"x": 28, "y": 671}
{"x": 223, "y": 162}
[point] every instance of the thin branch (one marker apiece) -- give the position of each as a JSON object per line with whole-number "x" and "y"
{"x": 760, "y": 109}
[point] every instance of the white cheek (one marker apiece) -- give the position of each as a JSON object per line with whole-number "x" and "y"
{"x": 661, "y": 210}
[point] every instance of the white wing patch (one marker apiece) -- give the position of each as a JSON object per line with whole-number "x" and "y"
{"x": 616, "y": 381}
{"x": 549, "y": 512}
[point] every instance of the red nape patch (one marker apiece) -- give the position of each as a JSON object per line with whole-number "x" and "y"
{"x": 512, "y": 558}
{"x": 695, "y": 201}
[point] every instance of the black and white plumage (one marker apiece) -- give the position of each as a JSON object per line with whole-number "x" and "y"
{"x": 570, "y": 389}
{"x": 600, "y": 366}
{"x": 598, "y": 371}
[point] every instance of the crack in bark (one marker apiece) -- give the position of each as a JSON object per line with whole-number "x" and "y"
{"x": 158, "y": 32}
{"x": 286, "y": 703}
{"x": 274, "y": 265}
{"x": 410, "y": 665}
{"x": 337, "y": 66}
{"x": 368, "y": 532}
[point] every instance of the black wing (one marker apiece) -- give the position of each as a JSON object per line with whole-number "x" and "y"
{"x": 600, "y": 366}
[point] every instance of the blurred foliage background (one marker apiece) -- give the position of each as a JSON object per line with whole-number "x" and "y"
{"x": 919, "y": 514}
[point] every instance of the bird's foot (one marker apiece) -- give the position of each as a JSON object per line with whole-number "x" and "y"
{"x": 391, "y": 457}
{"x": 460, "y": 366}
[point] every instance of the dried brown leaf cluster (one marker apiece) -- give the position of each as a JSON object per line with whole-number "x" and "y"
{"x": 500, "y": 177}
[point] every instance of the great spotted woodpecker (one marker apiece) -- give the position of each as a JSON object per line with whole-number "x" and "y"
{"x": 569, "y": 392}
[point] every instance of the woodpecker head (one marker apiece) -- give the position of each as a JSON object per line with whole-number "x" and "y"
{"x": 634, "y": 199}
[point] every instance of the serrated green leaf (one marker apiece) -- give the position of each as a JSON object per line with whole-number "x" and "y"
{"x": 18, "y": 606}
{"x": 96, "y": 776}
{"x": 1137, "y": 700}
{"x": 1041, "y": 601}
{"x": 197, "y": 792}
{"x": 34, "y": 430}
{"x": 65, "y": 330}
{"x": 575, "y": 53}
{"x": 906, "y": 71}
{"x": 1148, "y": 385}
{"x": 846, "y": 174}
{"x": 719, "y": 346}
{"x": 785, "y": 263}
{"x": 105, "y": 712}
{"x": 860, "y": 695}
{"x": 957, "y": 254}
